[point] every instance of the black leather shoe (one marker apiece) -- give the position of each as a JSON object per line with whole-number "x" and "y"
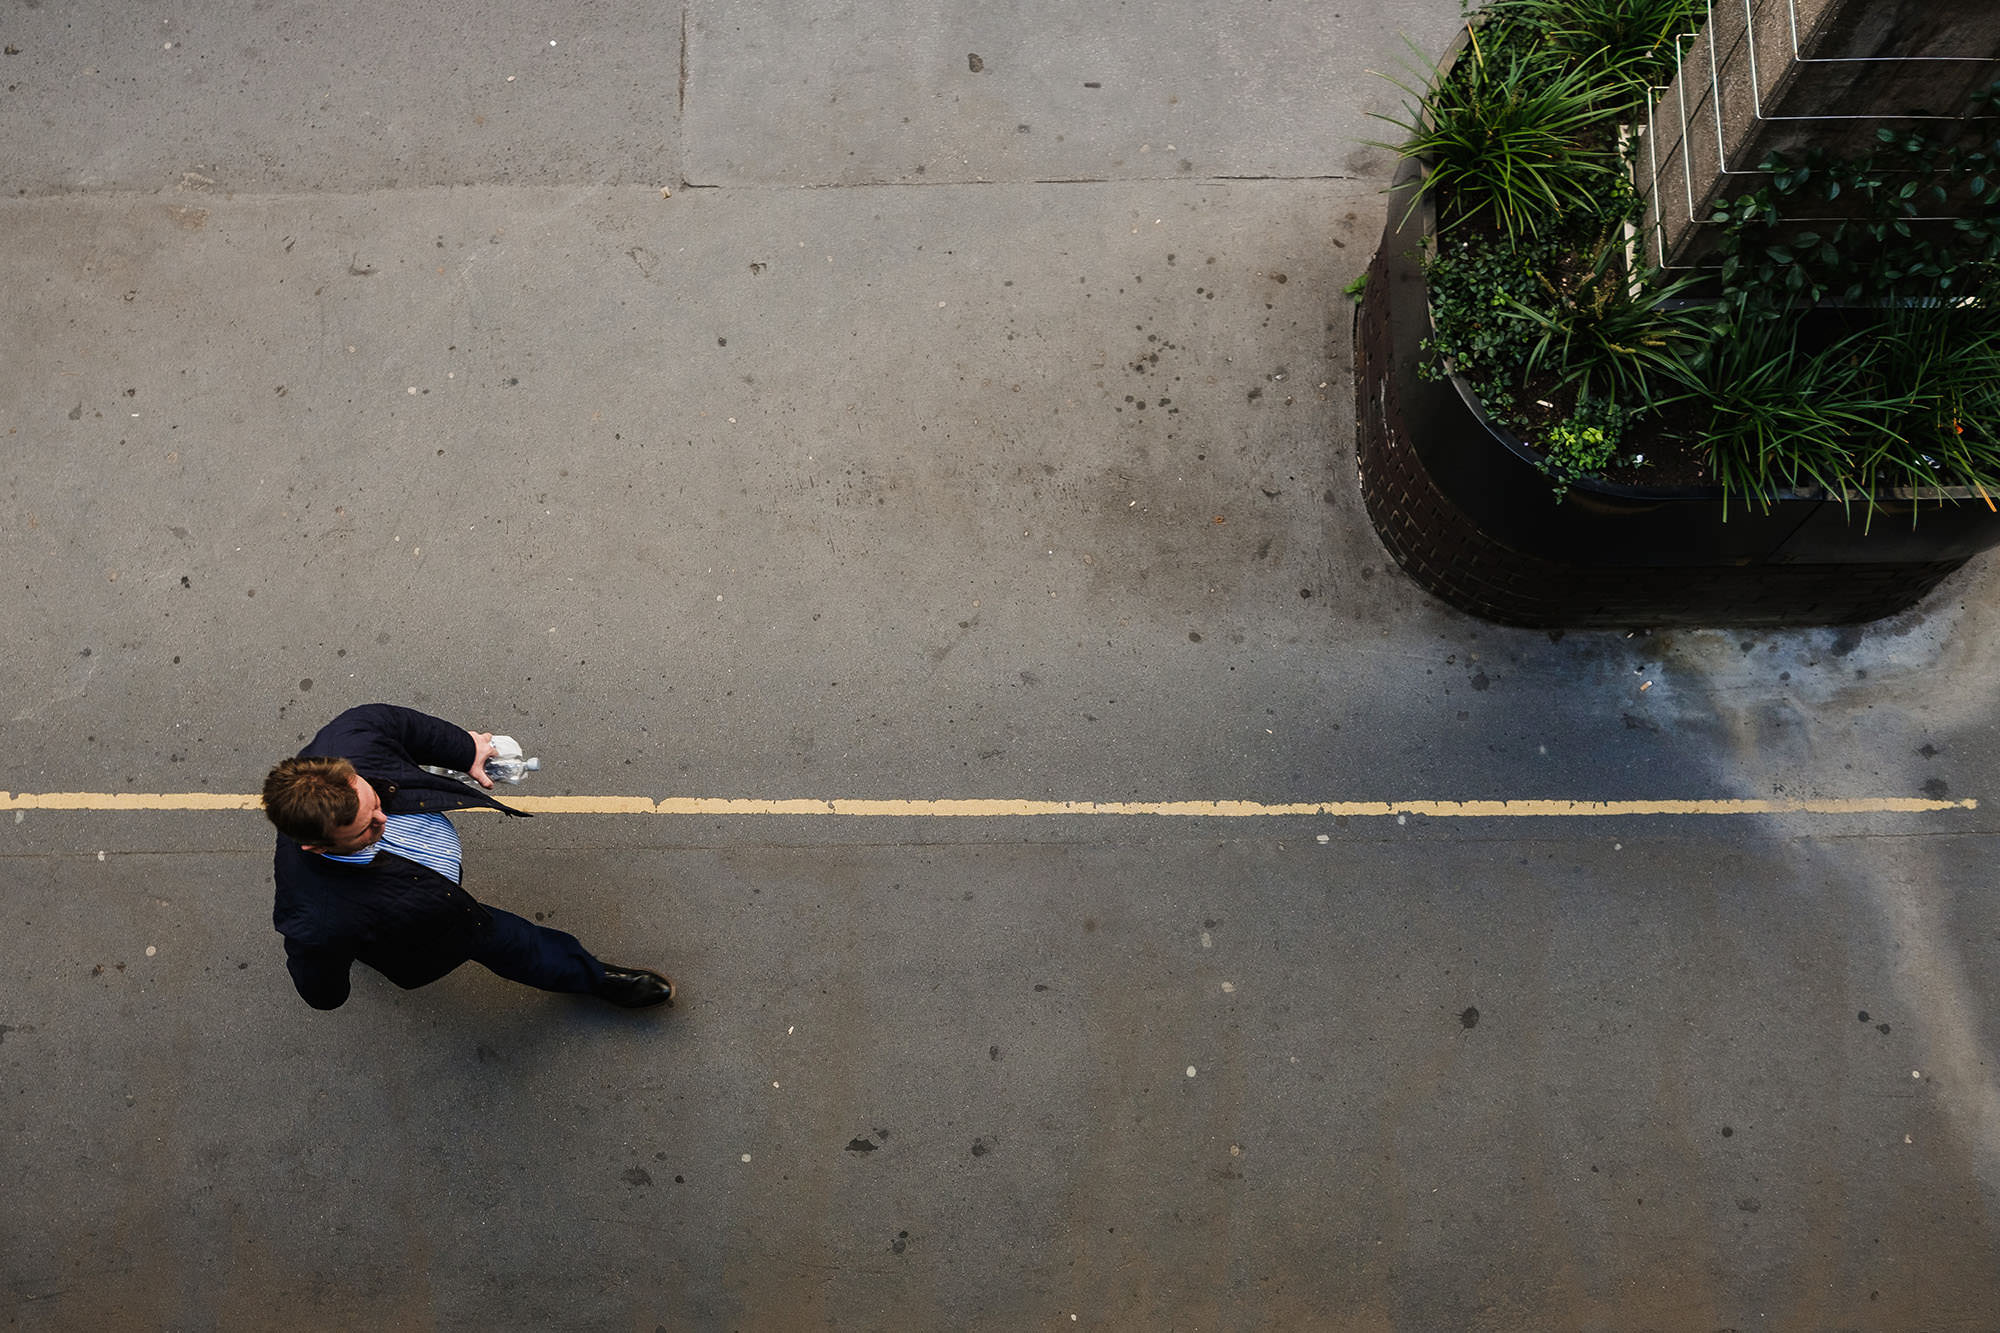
{"x": 634, "y": 987}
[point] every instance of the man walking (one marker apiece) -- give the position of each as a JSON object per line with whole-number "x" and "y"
{"x": 368, "y": 868}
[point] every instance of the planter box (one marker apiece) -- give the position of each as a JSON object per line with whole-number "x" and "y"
{"x": 1462, "y": 506}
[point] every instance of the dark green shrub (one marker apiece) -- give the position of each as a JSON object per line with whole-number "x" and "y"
{"x": 1479, "y": 286}
{"x": 1630, "y": 41}
{"x": 1771, "y": 417}
{"x": 1611, "y": 336}
{"x": 1513, "y": 140}
{"x": 1584, "y": 443}
{"x": 1938, "y": 368}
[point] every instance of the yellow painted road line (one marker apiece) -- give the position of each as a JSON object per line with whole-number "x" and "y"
{"x": 126, "y": 800}
{"x": 696, "y": 805}
{"x": 995, "y": 809}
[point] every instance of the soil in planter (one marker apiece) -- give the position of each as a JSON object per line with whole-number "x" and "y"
{"x": 1659, "y": 438}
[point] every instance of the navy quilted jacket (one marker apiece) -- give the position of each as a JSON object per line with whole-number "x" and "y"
{"x": 403, "y": 919}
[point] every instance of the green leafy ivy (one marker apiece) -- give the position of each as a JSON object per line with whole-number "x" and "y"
{"x": 1916, "y": 219}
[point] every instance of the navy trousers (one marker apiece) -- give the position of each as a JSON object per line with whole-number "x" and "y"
{"x": 533, "y": 955}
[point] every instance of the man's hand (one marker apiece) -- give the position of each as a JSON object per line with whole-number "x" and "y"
{"x": 482, "y": 743}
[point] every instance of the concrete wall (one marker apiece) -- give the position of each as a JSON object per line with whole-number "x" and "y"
{"x": 1768, "y": 76}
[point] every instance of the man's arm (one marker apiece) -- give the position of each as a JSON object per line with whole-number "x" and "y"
{"x": 319, "y": 974}
{"x": 483, "y": 749}
{"x": 405, "y": 733}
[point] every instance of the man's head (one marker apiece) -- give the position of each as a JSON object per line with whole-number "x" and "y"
{"x": 324, "y": 804}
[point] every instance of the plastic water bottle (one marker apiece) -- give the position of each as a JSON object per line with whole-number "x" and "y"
{"x": 505, "y": 764}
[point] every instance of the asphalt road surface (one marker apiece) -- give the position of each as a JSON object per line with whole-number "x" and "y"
{"x": 888, "y": 461}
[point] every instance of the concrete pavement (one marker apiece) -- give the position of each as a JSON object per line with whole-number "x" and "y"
{"x": 950, "y": 427}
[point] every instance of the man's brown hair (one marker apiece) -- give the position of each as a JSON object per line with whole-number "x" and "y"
{"x": 309, "y": 798}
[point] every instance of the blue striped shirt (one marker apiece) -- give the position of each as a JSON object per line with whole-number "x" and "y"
{"x": 428, "y": 839}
